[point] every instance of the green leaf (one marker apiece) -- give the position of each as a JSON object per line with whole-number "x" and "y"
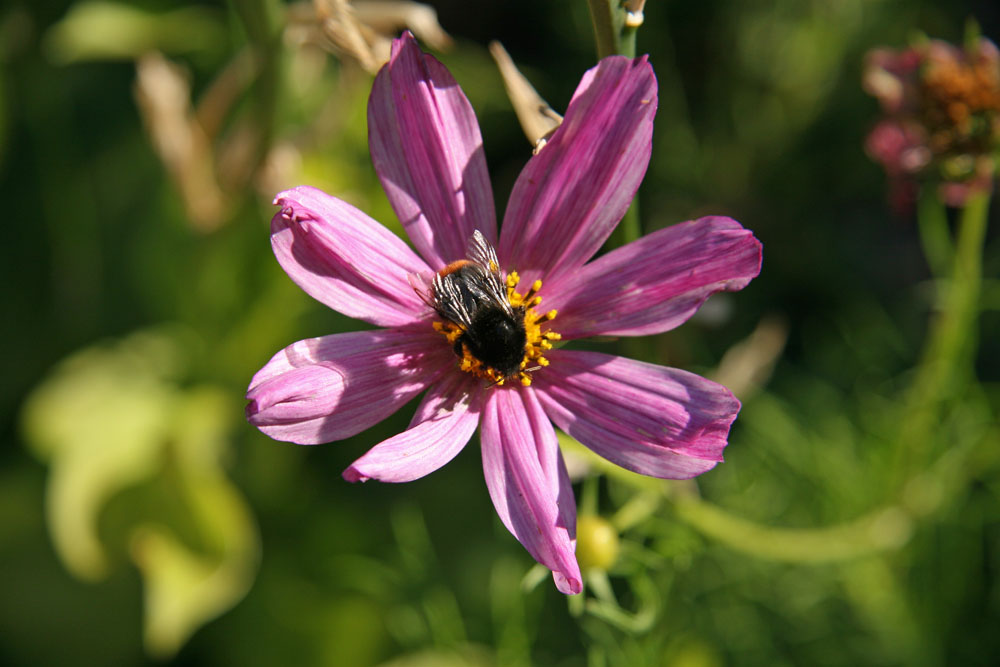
{"x": 111, "y": 418}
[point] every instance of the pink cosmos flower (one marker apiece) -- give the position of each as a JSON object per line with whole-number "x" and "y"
{"x": 427, "y": 150}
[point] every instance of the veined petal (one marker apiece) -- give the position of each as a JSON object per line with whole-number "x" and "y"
{"x": 330, "y": 388}
{"x": 428, "y": 152}
{"x": 565, "y": 581}
{"x": 344, "y": 259}
{"x": 650, "y": 419}
{"x": 444, "y": 422}
{"x": 570, "y": 196}
{"x": 528, "y": 483}
{"x": 656, "y": 283}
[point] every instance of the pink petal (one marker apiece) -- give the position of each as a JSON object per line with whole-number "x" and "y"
{"x": 650, "y": 419}
{"x": 570, "y": 196}
{"x": 656, "y": 283}
{"x": 333, "y": 387}
{"x": 346, "y": 260}
{"x": 427, "y": 150}
{"x": 444, "y": 422}
{"x": 528, "y": 483}
{"x": 567, "y": 517}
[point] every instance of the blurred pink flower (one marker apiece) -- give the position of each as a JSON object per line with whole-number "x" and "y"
{"x": 942, "y": 118}
{"x": 427, "y": 150}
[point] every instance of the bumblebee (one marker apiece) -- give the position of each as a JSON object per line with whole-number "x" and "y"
{"x": 472, "y": 294}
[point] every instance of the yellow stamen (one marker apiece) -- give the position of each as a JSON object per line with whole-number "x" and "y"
{"x": 535, "y": 286}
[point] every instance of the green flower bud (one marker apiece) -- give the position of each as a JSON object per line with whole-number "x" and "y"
{"x": 597, "y": 543}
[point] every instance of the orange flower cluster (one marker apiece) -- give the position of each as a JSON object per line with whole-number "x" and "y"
{"x": 942, "y": 118}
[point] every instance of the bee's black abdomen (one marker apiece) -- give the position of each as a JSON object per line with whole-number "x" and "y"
{"x": 497, "y": 339}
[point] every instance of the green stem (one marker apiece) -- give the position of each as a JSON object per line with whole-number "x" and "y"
{"x": 588, "y": 497}
{"x": 605, "y": 607}
{"x": 638, "y": 508}
{"x": 932, "y": 221}
{"x": 606, "y": 34}
{"x": 948, "y": 355}
{"x": 882, "y": 530}
{"x": 611, "y": 32}
{"x": 262, "y": 20}
{"x": 600, "y": 585}
{"x": 968, "y": 275}
{"x": 629, "y": 229}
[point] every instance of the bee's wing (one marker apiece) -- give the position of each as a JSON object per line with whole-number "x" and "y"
{"x": 481, "y": 252}
{"x": 453, "y": 300}
{"x": 460, "y": 294}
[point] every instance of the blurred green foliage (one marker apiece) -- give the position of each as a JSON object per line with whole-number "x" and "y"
{"x": 141, "y": 516}
{"x": 112, "y": 426}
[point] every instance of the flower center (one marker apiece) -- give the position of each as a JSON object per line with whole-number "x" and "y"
{"x": 497, "y": 348}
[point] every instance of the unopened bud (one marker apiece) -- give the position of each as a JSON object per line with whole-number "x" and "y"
{"x": 597, "y": 543}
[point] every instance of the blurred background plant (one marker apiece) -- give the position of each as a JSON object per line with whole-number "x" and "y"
{"x": 856, "y": 520}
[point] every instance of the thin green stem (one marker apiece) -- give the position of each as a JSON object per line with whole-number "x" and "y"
{"x": 605, "y": 607}
{"x": 626, "y": 31}
{"x": 969, "y": 273}
{"x": 262, "y": 20}
{"x": 600, "y": 585}
{"x": 588, "y": 497}
{"x": 606, "y": 33}
{"x": 881, "y": 530}
{"x": 629, "y": 229}
{"x": 932, "y": 221}
{"x": 612, "y": 32}
{"x": 639, "y": 507}
{"x": 948, "y": 354}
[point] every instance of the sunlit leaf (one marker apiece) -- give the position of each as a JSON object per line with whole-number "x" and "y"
{"x": 100, "y": 419}
{"x": 111, "y": 418}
